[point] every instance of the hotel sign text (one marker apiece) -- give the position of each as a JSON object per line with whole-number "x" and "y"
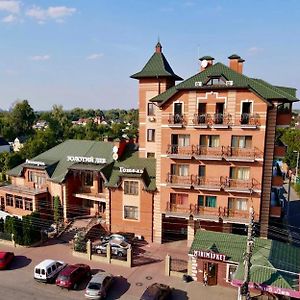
{"x": 209, "y": 255}
{"x": 86, "y": 159}
{"x": 127, "y": 170}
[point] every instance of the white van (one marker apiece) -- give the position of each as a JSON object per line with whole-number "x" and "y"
{"x": 47, "y": 270}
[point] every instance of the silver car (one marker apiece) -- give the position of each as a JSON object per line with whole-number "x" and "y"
{"x": 98, "y": 286}
{"x": 118, "y": 247}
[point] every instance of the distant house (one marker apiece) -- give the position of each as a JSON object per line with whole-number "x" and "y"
{"x": 4, "y": 145}
{"x": 18, "y": 143}
{"x": 41, "y": 125}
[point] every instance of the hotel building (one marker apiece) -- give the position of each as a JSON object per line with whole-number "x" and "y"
{"x": 213, "y": 137}
{"x": 205, "y": 156}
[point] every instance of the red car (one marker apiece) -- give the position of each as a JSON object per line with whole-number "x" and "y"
{"x": 71, "y": 276}
{"x": 5, "y": 259}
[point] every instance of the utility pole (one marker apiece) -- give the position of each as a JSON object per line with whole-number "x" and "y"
{"x": 244, "y": 290}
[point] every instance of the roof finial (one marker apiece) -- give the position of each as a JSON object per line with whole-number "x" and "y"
{"x": 158, "y": 47}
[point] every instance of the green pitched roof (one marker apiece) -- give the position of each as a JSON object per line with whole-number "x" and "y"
{"x": 131, "y": 160}
{"x": 273, "y": 263}
{"x": 263, "y": 89}
{"x": 157, "y": 66}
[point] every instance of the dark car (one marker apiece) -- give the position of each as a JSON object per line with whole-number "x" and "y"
{"x": 98, "y": 286}
{"x": 71, "y": 276}
{"x": 5, "y": 259}
{"x": 157, "y": 291}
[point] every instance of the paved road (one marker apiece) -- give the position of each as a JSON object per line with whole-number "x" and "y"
{"x": 17, "y": 283}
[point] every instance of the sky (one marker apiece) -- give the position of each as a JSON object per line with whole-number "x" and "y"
{"x": 81, "y": 53}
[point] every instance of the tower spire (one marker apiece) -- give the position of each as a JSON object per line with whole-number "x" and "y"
{"x": 158, "y": 47}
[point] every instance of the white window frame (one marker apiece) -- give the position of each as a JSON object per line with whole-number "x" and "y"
{"x": 131, "y": 182}
{"x": 247, "y": 101}
{"x": 173, "y": 106}
{"x": 227, "y": 270}
{"x": 152, "y": 135}
{"x": 138, "y": 213}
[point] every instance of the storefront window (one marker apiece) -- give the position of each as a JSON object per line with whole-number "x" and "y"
{"x": 231, "y": 269}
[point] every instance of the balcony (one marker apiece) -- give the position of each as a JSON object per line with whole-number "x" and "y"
{"x": 206, "y": 183}
{"x": 275, "y": 211}
{"x": 237, "y": 216}
{"x": 205, "y": 213}
{"x": 89, "y": 194}
{"x": 178, "y": 210}
{"x": 176, "y": 181}
{"x": 221, "y": 121}
{"x": 176, "y": 121}
{"x": 241, "y": 185}
{"x": 179, "y": 152}
{"x": 284, "y": 118}
{"x": 201, "y": 120}
{"x": 243, "y": 154}
{"x": 250, "y": 121}
{"x": 208, "y": 153}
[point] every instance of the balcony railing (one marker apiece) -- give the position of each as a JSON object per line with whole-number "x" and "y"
{"x": 179, "y": 208}
{"x": 241, "y": 185}
{"x": 206, "y": 183}
{"x": 176, "y": 120}
{"x": 204, "y": 152}
{"x": 243, "y": 154}
{"x": 201, "y": 119}
{"x": 212, "y": 119}
{"x": 204, "y": 210}
{"x": 250, "y": 120}
{"x": 222, "y": 119}
{"x": 180, "y": 151}
{"x": 179, "y": 181}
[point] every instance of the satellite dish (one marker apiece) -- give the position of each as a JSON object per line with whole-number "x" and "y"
{"x": 115, "y": 156}
{"x": 115, "y": 149}
{"x": 204, "y": 63}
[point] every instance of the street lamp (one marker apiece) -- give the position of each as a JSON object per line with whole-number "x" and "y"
{"x": 297, "y": 163}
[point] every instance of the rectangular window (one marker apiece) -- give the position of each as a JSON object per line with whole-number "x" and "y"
{"x": 180, "y": 170}
{"x": 178, "y": 109}
{"x": 151, "y": 135}
{"x": 150, "y": 109}
{"x": 212, "y": 141}
{"x": 238, "y": 204}
{"x": 201, "y": 171}
{"x": 131, "y": 212}
{"x": 183, "y": 140}
{"x": 28, "y": 204}
{"x": 180, "y": 199}
{"x": 231, "y": 269}
{"x": 211, "y": 201}
{"x": 241, "y": 141}
{"x": 88, "y": 178}
{"x": 150, "y": 155}
{"x": 200, "y": 200}
{"x": 131, "y": 187}
{"x": 240, "y": 173}
{"x": 38, "y": 178}
{"x": 9, "y": 200}
{"x": 18, "y": 202}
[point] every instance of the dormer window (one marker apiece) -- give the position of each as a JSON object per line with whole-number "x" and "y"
{"x": 216, "y": 80}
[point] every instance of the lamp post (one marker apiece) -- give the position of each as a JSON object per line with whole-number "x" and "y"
{"x": 297, "y": 163}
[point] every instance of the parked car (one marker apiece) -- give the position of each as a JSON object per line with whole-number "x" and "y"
{"x": 99, "y": 285}
{"x": 122, "y": 236}
{"x": 47, "y": 270}
{"x": 157, "y": 291}
{"x": 71, "y": 276}
{"x": 5, "y": 259}
{"x": 118, "y": 247}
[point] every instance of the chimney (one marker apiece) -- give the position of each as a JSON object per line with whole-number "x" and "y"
{"x": 206, "y": 61}
{"x": 236, "y": 63}
{"x": 158, "y": 48}
{"x": 240, "y": 65}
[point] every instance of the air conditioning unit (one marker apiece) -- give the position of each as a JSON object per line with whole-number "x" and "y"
{"x": 229, "y": 83}
{"x": 151, "y": 119}
{"x": 198, "y": 83}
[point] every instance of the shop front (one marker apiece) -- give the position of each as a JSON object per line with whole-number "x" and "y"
{"x": 217, "y": 259}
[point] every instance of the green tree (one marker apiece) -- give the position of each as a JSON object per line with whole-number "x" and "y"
{"x": 22, "y": 118}
{"x": 57, "y": 210}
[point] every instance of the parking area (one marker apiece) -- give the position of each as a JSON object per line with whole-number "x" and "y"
{"x": 129, "y": 284}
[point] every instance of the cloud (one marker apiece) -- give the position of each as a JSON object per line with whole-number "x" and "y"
{"x": 9, "y": 19}
{"x": 40, "y": 57}
{"x": 10, "y": 6}
{"x": 94, "y": 56}
{"x": 56, "y": 13}
{"x": 254, "y": 50}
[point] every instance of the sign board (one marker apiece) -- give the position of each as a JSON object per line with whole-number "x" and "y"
{"x": 85, "y": 159}
{"x": 209, "y": 255}
{"x": 129, "y": 170}
{"x": 35, "y": 162}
